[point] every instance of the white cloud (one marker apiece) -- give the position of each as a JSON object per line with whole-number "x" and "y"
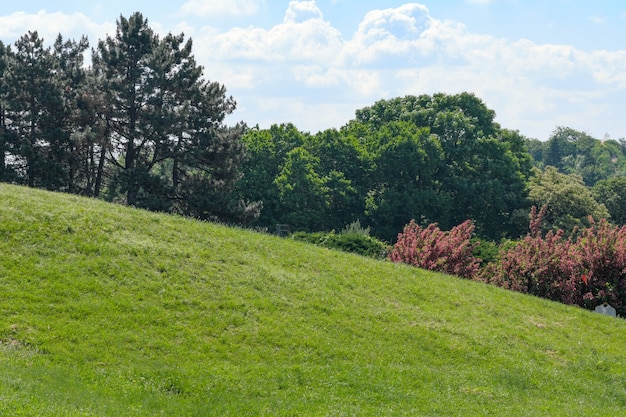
{"x": 406, "y": 22}
{"x": 302, "y": 36}
{"x": 304, "y": 70}
{"x": 407, "y": 32}
{"x": 359, "y": 82}
{"x": 49, "y": 25}
{"x": 240, "y": 78}
{"x": 306, "y": 115}
{"x": 607, "y": 67}
{"x": 222, "y": 7}
{"x": 404, "y": 50}
{"x": 293, "y": 42}
{"x": 300, "y": 11}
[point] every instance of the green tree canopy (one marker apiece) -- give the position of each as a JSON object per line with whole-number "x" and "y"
{"x": 404, "y": 184}
{"x": 140, "y": 126}
{"x": 330, "y": 165}
{"x": 302, "y": 191}
{"x": 483, "y": 170}
{"x": 434, "y": 159}
{"x": 40, "y": 91}
{"x": 568, "y": 201}
{"x": 346, "y": 169}
{"x": 267, "y": 151}
{"x": 575, "y": 152}
{"x": 612, "y": 193}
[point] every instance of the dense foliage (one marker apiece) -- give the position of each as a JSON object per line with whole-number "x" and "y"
{"x": 585, "y": 271}
{"x": 574, "y": 152}
{"x": 141, "y": 126}
{"x": 346, "y": 241}
{"x": 612, "y": 193}
{"x": 437, "y": 250}
{"x": 569, "y": 203}
{"x": 437, "y": 158}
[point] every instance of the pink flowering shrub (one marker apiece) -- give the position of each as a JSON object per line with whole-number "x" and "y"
{"x": 584, "y": 272}
{"x": 600, "y": 254}
{"x": 538, "y": 265}
{"x": 437, "y": 250}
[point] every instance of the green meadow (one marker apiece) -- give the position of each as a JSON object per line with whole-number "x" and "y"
{"x": 111, "y": 311}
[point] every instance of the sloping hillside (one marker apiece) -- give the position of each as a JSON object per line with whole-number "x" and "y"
{"x": 111, "y": 311}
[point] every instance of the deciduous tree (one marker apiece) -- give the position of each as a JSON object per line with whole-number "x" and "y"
{"x": 483, "y": 169}
{"x": 568, "y": 202}
{"x": 612, "y": 193}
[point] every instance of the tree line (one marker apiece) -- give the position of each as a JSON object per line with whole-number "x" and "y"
{"x": 142, "y": 126}
{"x": 433, "y": 159}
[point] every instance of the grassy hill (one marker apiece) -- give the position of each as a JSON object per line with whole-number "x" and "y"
{"x": 111, "y": 311}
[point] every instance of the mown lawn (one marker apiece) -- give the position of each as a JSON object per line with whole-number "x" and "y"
{"x": 111, "y": 311}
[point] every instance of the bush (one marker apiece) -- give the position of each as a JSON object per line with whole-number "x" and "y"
{"x": 600, "y": 258}
{"x": 586, "y": 271}
{"x": 485, "y": 250}
{"x": 536, "y": 265}
{"x": 355, "y": 228}
{"x": 436, "y": 250}
{"x": 358, "y": 243}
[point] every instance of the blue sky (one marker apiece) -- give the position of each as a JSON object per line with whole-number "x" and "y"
{"x": 539, "y": 64}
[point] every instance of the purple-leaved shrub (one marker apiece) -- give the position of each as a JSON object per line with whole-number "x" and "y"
{"x": 431, "y": 248}
{"x": 584, "y": 271}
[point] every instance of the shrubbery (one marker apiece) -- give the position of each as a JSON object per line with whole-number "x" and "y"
{"x": 486, "y": 250}
{"x": 585, "y": 269}
{"x": 352, "y": 239}
{"x": 437, "y": 250}
{"x": 537, "y": 265}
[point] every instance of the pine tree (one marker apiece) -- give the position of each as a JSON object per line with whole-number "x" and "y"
{"x": 167, "y": 135}
{"x": 5, "y": 52}
{"x": 35, "y": 99}
{"x": 67, "y": 148}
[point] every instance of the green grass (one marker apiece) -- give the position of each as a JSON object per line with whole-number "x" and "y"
{"x": 111, "y": 311}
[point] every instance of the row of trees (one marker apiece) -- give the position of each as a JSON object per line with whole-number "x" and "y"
{"x": 434, "y": 159}
{"x": 141, "y": 125}
{"x": 437, "y": 158}
{"x": 577, "y": 176}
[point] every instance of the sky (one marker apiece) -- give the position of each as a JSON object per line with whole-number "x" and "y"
{"x": 538, "y": 64}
